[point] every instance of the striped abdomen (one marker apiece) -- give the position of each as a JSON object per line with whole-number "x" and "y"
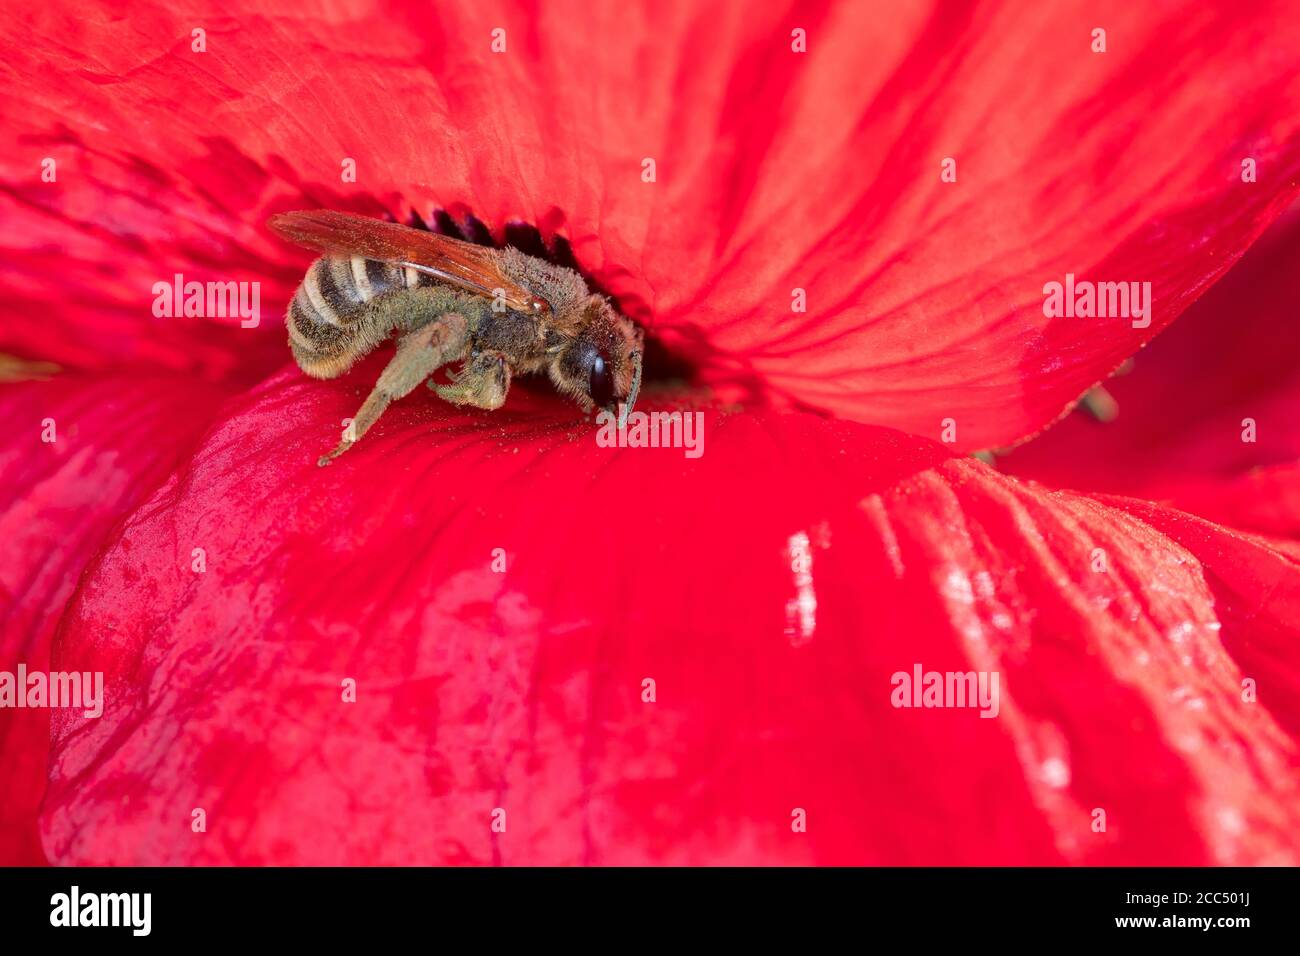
{"x": 329, "y": 324}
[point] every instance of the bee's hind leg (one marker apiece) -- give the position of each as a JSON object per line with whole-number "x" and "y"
{"x": 483, "y": 382}
{"x": 419, "y": 354}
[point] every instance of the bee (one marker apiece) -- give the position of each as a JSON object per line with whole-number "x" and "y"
{"x": 499, "y": 312}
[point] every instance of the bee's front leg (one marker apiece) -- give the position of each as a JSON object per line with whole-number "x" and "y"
{"x": 419, "y": 355}
{"x": 483, "y": 382}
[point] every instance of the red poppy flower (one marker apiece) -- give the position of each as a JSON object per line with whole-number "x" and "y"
{"x": 481, "y": 637}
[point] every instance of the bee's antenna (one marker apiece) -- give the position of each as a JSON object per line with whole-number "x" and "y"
{"x": 632, "y": 392}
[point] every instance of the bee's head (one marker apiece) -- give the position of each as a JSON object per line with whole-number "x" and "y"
{"x": 601, "y": 367}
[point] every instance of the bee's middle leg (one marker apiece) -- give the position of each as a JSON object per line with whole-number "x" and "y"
{"x": 419, "y": 354}
{"x": 482, "y": 383}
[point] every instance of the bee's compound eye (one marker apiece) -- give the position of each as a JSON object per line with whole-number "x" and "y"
{"x": 600, "y": 386}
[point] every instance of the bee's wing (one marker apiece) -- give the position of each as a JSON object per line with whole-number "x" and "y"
{"x": 474, "y": 268}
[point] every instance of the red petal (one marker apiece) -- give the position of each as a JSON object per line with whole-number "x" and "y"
{"x": 114, "y": 441}
{"x": 776, "y": 170}
{"x": 522, "y": 690}
{"x": 1255, "y": 597}
{"x": 1185, "y": 409}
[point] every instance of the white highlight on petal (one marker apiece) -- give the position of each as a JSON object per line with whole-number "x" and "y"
{"x": 1231, "y": 821}
{"x": 1056, "y": 772}
{"x": 959, "y": 595}
{"x": 801, "y": 610}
